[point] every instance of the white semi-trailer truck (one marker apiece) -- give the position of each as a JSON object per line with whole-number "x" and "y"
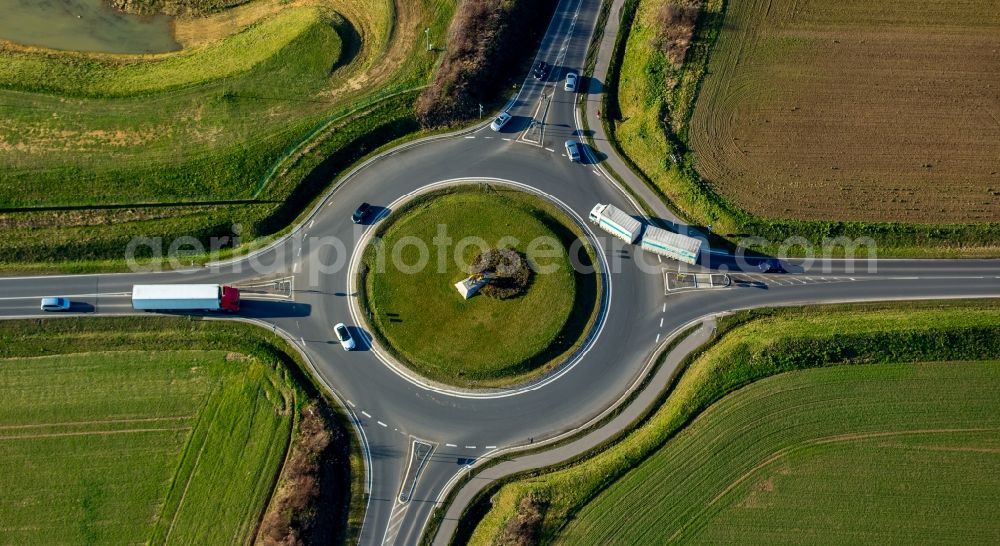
{"x": 670, "y": 244}
{"x": 613, "y": 220}
{"x": 185, "y": 297}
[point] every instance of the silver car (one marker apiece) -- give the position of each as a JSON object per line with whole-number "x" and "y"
{"x": 573, "y": 150}
{"x": 501, "y": 120}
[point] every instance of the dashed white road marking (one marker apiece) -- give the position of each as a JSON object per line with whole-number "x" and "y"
{"x": 295, "y": 267}
{"x": 661, "y": 322}
{"x": 664, "y": 307}
{"x": 299, "y": 253}
{"x": 311, "y": 222}
{"x": 657, "y": 338}
{"x": 381, "y": 424}
{"x": 550, "y": 149}
{"x": 302, "y": 340}
{"x": 506, "y": 139}
{"x": 450, "y": 445}
{"x": 471, "y": 136}
{"x": 349, "y": 403}
{"x": 366, "y": 414}
{"x": 470, "y": 447}
{"x": 491, "y": 447}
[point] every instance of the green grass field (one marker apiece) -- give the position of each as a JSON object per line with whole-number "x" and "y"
{"x": 752, "y": 346}
{"x": 480, "y": 341}
{"x": 895, "y": 453}
{"x": 175, "y": 447}
{"x": 242, "y": 128}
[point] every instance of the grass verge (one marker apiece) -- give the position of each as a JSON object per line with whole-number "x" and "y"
{"x": 794, "y": 339}
{"x": 480, "y": 342}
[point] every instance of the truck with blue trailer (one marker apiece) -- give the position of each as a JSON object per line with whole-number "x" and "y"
{"x": 653, "y": 239}
{"x": 672, "y": 245}
{"x": 613, "y": 220}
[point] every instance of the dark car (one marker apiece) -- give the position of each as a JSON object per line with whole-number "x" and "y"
{"x": 770, "y": 265}
{"x": 360, "y": 214}
{"x": 541, "y": 70}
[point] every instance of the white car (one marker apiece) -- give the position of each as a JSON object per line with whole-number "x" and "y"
{"x": 501, "y": 120}
{"x": 570, "y": 82}
{"x": 55, "y": 304}
{"x": 344, "y": 336}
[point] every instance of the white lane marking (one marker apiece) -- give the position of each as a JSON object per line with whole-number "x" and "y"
{"x": 119, "y": 294}
{"x": 661, "y": 322}
{"x": 657, "y": 338}
{"x": 664, "y": 307}
{"x": 659, "y": 259}
{"x": 506, "y": 139}
{"x": 299, "y": 253}
{"x": 295, "y": 267}
{"x": 491, "y": 447}
{"x": 311, "y": 222}
{"x": 381, "y": 424}
{"x": 351, "y": 404}
{"x": 488, "y": 137}
{"x": 550, "y": 149}
{"x": 471, "y": 136}
{"x": 595, "y": 172}
{"x": 450, "y": 445}
{"x": 302, "y": 340}
{"x": 470, "y": 447}
{"x": 366, "y": 414}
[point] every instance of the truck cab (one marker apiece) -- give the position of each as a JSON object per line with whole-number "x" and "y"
{"x": 230, "y": 300}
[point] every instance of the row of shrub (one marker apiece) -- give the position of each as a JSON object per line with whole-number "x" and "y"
{"x": 487, "y": 41}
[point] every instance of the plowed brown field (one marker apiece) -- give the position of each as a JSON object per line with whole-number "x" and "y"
{"x": 855, "y": 110}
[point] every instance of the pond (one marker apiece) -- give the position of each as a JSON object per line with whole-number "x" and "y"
{"x": 83, "y": 25}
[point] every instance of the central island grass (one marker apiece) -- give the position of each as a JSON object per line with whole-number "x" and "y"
{"x": 129, "y": 447}
{"x": 898, "y": 453}
{"x": 422, "y": 319}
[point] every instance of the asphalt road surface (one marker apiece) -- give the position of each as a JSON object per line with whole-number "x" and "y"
{"x": 300, "y": 287}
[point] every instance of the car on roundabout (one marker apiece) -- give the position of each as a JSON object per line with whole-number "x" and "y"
{"x": 501, "y": 120}
{"x": 573, "y": 151}
{"x": 344, "y": 336}
{"x": 361, "y": 213}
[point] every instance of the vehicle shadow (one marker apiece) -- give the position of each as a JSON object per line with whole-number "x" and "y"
{"x": 274, "y": 309}
{"x": 591, "y": 86}
{"x": 590, "y": 156}
{"x": 81, "y": 307}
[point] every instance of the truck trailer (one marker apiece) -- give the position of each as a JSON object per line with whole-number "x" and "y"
{"x": 670, "y": 244}
{"x": 185, "y": 297}
{"x": 613, "y": 220}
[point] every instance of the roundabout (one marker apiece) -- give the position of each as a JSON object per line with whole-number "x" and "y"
{"x": 535, "y": 306}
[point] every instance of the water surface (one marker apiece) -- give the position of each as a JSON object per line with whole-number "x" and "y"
{"x": 83, "y": 25}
